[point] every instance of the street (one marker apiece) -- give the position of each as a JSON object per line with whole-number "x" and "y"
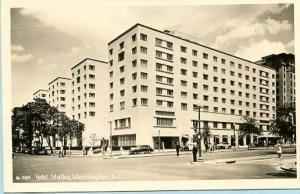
{"x": 246, "y": 164}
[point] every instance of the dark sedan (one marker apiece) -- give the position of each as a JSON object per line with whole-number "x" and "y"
{"x": 146, "y": 149}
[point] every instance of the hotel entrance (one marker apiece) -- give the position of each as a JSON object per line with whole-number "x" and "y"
{"x": 165, "y": 142}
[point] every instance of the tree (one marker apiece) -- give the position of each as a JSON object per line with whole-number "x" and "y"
{"x": 249, "y": 126}
{"x": 283, "y": 125}
{"x": 38, "y": 121}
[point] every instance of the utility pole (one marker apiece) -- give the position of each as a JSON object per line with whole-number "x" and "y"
{"x": 199, "y": 136}
{"x": 110, "y": 135}
{"x": 234, "y": 138}
{"x": 159, "y": 140}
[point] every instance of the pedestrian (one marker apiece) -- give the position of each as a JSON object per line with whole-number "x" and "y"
{"x": 279, "y": 151}
{"x": 177, "y": 149}
{"x": 206, "y": 147}
{"x": 90, "y": 152}
{"x": 195, "y": 153}
{"x": 61, "y": 152}
{"x": 163, "y": 146}
{"x": 83, "y": 151}
{"x": 121, "y": 150}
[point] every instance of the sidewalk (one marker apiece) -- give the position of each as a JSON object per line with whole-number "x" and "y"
{"x": 286, "y": 157}
{"x": 166, "y": 152}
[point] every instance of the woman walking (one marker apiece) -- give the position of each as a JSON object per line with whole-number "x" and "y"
{"x": 279, "y": 151}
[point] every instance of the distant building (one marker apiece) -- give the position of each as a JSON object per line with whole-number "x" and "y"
{"x": 284, "y": 64}
{"x": 60, "y": 93}
{"x": 43, "y": 94}
{"x": 158, "y": 79}
{"x": 90, "y": 100}
{"x": 285, "y": 77}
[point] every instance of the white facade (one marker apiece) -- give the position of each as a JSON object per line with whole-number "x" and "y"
{"x": 43, "y": 94}
{"x": 157, "y": 80}
{"x": 90, "y": 99}
{"x": 59, "y": 94}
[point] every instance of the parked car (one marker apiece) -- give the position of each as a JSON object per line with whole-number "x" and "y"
{"x": 146, "y": 149}
{"x": 27, "y": 150}
{"x": 223, "y": 146}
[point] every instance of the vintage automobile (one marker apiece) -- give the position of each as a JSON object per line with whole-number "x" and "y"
{"x": 223, "y": 146}
{"x": 146, "y": 149}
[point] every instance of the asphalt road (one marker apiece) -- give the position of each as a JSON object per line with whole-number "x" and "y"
{"x": 28, "y": 168}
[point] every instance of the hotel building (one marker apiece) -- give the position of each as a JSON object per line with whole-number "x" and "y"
{"x": 158, "y": 78}
{"x": 43, "y": 94}
{"x": 59, "y": 94}
{"x": 90, "y": 100}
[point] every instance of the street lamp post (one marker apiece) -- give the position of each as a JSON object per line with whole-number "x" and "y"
{"x": 199, "y": 132}
{"x": 234, "y": 138}
{"x": 110, "y": 136}
{"x": 159, "y": 140}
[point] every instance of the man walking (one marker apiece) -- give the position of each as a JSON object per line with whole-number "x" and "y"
{"x": 195, "y": 153}
{"x": 177, "y": 149}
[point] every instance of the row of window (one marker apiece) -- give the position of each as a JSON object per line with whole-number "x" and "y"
{"x": 91, "y": 95}
{"x": 91, "y": 105}
{"x": 91, "y": 114}
{"x": 91, "y": 67}
{"x": 143, "y": 101}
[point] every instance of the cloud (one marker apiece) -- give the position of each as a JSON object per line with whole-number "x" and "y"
{"x": 72, "y": 52}
{"x": 40, "y": 60}
{"x": 17, "y": 48}
{"x": 21, "y": 58}
{"x": 275, "y": 27}
{"x": 256, "y": 50}
{"x": 250, "y": 30}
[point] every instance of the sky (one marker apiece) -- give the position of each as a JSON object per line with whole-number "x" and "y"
{"x": 47, "y": 42}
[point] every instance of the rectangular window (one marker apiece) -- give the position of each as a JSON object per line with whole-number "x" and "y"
{"x": 92, "y": 86}
{"x": 121, "y": 56}
{"x": 122, "y": 92}
{"x": 183, "y": 83}
{"x": 183, "y": 94}
{"x": 143, "y": 50}
{"x": 144, "y": 63}
{"x": 92, "y": 95}
{"x": 183, "y": 60}
{"x": 91, "y": 67}
{"x": 122, "y": 81}
{"x": 133, "y": 63}
{"x": 144, "y": 88}
{"x": 134, "y": 102}
{"x": 121, "y": 45}
{"x": 110, "y": 51}
{"x": 133, "y": 38}
{"x": 122, "y": 68}
{"x": 143, "y": 37}
{"x": 223, "y": 61}
{"x": 205, "y": 56}
{"x": 195, "y": 74}
{"x": 144, "y": 101}
{"x": 122, "y": 105}
{"x": 215, "y": 59}
{"x": 91, "y": 76}
{"x": 183, "y": 49}
{"x": 194, "y": 53}
{"x": 195, "y": 63}
{"x": 183, "y": 106}
{"x": 205, "y": 66}
{"x": 133, "y": 51}
{"x": 166, "y": 122}
{"x": 143, "y": 75}
{"x": 183, "y": 71}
